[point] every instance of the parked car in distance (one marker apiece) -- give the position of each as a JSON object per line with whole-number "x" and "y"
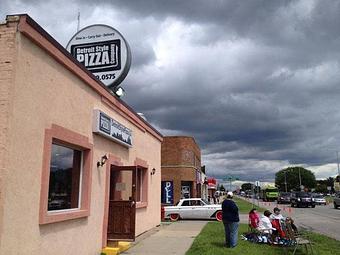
{"x": 319, "y": 199}
{"x": 336, "y": 200}
{"x": 283, "y": 198}
{"x": 299, "y": 199}
{"x": 193, "y": 208}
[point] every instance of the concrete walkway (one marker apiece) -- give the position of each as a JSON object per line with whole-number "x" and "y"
{"x": 169, "y": 238}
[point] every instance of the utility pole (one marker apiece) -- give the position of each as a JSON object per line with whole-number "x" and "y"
{"x": 253, "y": 194}
{"x": 300, "y": 178}
{"x": 286, "y": 180}
{"x": 337, "y": 160}
{"x": 78, "y": 24}
{"x": 230, "y": 179}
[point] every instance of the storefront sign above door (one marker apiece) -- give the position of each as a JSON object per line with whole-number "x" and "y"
{"x": 103, "y": 51}
{"x": 110, "y": 128}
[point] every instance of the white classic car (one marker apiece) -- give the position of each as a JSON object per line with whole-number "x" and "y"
{"x": 193, "y": 208}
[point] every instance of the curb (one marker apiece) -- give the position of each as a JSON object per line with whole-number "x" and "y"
{"x": 122, "y": 246}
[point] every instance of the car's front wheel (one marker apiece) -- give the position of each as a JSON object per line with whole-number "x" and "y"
{"x": 174, "y": 217}
{"x": 218, "y": 215}
{"x": 335, "y": 205}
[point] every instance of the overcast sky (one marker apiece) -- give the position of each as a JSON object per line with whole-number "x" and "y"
{"x": 256, "y": 83}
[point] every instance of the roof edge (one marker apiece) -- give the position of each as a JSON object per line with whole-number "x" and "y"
{"x": 182, "y": 136}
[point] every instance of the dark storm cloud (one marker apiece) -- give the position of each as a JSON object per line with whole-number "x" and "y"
{"x": 279, "y": 107}
{"x": 255, "y": 82}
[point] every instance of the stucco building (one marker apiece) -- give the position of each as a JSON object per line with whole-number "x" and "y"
{"x": 181, "y": 169}
{"x": 68, "y": 183}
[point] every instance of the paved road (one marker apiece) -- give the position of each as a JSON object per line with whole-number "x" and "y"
{"x": 321, "y": 219}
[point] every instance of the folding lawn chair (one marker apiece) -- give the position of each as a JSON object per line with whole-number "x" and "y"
{"x": 297, "y": 239}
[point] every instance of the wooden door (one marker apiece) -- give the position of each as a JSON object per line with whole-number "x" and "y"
{"x": 122, "y": 203}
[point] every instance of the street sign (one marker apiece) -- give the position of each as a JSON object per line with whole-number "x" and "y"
{"x": 231, "y": 178}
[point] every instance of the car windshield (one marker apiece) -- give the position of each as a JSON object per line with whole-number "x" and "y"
{"x": 303, "y": 194}
{"x": 318, "y": 196}
{"x": 284, "y": 194}
{"x": 271, "y": 190}
{"x": 206, "y": 201}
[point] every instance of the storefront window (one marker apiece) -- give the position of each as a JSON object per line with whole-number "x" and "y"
{"x": 65, "y": 192}
{"x": 65, "y": 178}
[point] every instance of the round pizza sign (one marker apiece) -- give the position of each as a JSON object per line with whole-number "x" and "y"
{"x": 103, "y": 51}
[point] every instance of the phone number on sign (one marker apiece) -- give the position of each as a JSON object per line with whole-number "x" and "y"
{"x": 105, "y": 76}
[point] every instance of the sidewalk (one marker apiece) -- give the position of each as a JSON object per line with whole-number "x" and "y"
{"x": 169, "y": 238}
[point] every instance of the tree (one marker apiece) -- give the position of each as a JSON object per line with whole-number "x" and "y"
{"x": 321, "y": 187}
{"x": 330, "y": 183}
{"x": 246, "y": 186}
{"x": 290, "y": 176}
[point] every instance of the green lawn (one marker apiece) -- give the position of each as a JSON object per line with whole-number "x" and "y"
{"x": 211, "y": 240}
{"x": 244, "y": 206}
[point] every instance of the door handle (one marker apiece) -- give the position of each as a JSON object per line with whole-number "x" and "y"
{"x": 133, "y": 203}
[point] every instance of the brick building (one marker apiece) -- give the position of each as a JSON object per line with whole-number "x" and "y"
{"x": 181, "y": 169}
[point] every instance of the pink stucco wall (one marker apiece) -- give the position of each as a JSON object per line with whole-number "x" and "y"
{"x": 37, "y": 93}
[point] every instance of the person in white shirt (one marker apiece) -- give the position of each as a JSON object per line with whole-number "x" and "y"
{"x": 265, "y": 226}
{"x": 277, "y": 215}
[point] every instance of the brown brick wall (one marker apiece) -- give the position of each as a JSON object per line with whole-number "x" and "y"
{"x": 180, "y": 157}
{"x": 180, "y": 150}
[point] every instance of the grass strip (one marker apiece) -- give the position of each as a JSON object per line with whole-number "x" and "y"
{"x": 245, "y": 206}
{"x": 211, "y": 242}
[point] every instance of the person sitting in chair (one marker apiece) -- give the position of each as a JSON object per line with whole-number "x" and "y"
{"x": 276, "y": 215}
{"x": 254, "y": 219}
{"x": 265, "y": 225}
